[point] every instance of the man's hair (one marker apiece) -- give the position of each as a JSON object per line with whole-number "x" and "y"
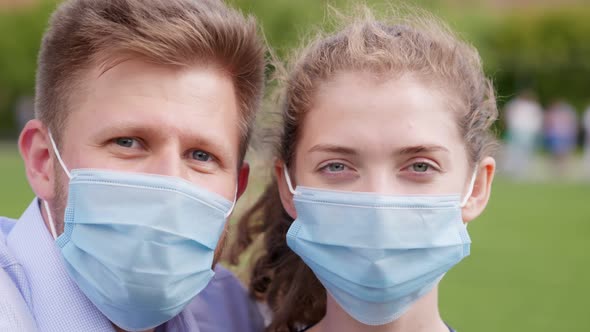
{"x": 86, "y": 34}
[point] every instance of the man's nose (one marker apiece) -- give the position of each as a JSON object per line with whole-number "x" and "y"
{"x": 168, "y": 162}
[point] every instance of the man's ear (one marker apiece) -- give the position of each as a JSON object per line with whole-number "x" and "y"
{"x": 35, "y": 149}
{"x": 284, "y": 192}
{"x": 482, "y": 189}
{"x": 243, "y": 175}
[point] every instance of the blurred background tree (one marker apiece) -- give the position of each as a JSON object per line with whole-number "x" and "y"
{"x": 21, "y": 29}
{"x": 537, "y": 45}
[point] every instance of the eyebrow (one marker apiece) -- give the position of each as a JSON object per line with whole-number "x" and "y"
{"x": 409, "y": 150}
{"x": 420, "y": 149}
{"x": 131, "y": 129}
{"x": 333, "y": 149}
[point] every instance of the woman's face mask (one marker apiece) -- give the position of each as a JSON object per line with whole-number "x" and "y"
{"x": 381, "y": 175}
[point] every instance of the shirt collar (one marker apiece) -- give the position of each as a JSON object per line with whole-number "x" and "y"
{"x": 56, "y": 301}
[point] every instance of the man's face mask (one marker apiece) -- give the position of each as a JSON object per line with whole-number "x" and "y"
{"x": 139, "y": 246}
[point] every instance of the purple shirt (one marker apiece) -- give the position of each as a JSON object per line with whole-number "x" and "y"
{"x": 33, "y": 262}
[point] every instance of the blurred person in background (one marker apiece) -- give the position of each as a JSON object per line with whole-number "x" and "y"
{"x": 586, "y": 129}
{"x": 560, "y": 134}
{"x": 144, "y": 110}
{"x": 524, "y": 124}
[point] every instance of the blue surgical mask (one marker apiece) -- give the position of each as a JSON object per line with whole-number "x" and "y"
{"x": 377, "y": 255}
{"x": 139, "y": 246}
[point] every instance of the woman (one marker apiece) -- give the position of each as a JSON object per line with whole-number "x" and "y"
{"x": 384, "y": 157}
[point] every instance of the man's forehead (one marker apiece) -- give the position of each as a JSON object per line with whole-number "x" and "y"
{"x": 123, "y": 71}
{"x": 197, "y": 104}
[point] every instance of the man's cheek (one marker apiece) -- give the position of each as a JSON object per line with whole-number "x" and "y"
{"x": 220, "y": 245}
{"x": 61, "y": 199}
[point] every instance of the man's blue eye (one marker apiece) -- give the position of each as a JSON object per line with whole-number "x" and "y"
{"x": 201, "y": 156}
{"x": 125, "y": 142}
{"x": 335, "y": 167}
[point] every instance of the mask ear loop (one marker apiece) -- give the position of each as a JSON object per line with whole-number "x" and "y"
{"x": 470, "y": 191}
{"x": 288, "y": 179}
{"x": 45, "y": 204}
{"x": 61, "y": 162}
{"x": 233, "y": 204}
{"x": 51, "y": 224}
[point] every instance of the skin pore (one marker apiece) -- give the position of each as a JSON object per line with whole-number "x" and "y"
{"x": 392, "y": 137}
{"x": 144, "y": 118}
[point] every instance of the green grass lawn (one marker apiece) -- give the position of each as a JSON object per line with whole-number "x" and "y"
{"x": 15, "y": 193}
{"x": 529, "y": 268}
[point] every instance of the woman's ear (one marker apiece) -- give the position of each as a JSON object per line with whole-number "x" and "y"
{"x": 283, "y": 187}
{"x": 482, "y": 189}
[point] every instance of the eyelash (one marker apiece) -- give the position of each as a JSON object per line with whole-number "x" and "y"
{"x": 324, "y": 168}
{"x": 136, "y": 139}
{"x": 211, "y": 155}
{"x": 139, "y": 141}
{"x": 431, "y": 167}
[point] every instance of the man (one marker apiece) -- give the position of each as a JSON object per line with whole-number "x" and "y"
{"x": 143, "y": 116}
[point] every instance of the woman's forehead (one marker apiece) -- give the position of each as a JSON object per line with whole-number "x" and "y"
{"x": 402, "y": 112}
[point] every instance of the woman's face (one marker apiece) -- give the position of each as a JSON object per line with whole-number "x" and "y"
{"x": 392, "y": 137}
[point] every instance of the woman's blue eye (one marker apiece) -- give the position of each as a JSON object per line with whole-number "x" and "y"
{"x": 335, "y": 167}
{"x": 420, "y": 167}
{"x": 201, "y": 156}
{"x": 126, "y": 142}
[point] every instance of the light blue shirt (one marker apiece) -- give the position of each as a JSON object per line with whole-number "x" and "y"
{"x": 31, "y": 259}
{"x": 14, "y": 314}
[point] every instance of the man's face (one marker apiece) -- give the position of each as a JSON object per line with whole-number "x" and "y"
{"x": 141, "y": 117}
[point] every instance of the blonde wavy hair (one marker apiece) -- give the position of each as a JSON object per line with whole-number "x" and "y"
{"x": 412, "y": 43}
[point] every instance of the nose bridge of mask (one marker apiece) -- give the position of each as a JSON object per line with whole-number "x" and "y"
{"x": 463, "y": 202}
{"x": 65, "y": 168}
